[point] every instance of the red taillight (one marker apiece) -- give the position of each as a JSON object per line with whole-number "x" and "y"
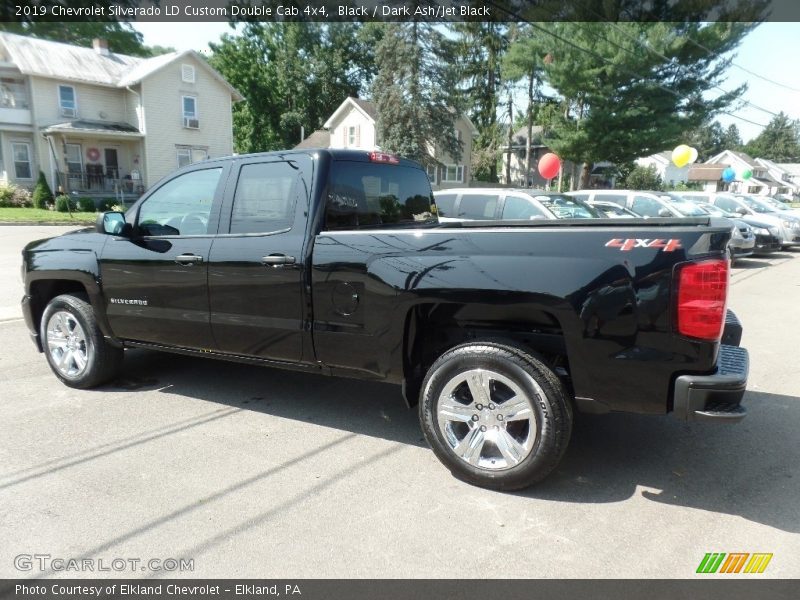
{"x": 702, "y": 294}
{"x": 382, "y": 157}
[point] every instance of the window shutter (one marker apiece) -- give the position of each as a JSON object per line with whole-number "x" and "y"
{"x": 358, "y": 136}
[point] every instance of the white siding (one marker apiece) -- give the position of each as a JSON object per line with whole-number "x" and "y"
{"x": 365, "y": 131}
{"x": 161, "y": 98}
{"x": 95, "y": 103}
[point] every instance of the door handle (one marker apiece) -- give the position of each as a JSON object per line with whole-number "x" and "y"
{"x": 188, "y": 259}
{"x": 277, "y": 260}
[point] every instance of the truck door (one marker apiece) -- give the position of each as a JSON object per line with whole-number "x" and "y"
{"x": 156, "y": 281}
{"x": 256, "y": 267}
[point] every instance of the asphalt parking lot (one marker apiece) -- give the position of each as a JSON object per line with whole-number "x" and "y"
{"x": 253, "y": 472}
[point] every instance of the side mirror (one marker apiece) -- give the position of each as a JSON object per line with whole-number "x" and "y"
{"x": 113, "y": 223}
{"x": 741, "y": 210}
{"x": 663, "y": 212}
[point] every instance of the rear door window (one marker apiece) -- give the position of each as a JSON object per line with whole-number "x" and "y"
{"x": 517, "y": 207}
{"x": 645, "y": 206}
{"x": 264, "y": 199}
{"x": 445, "y": 204}
{"x": 478, "y": 206}
{"x": 367, "y": 195}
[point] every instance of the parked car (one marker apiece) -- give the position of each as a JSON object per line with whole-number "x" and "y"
{"x": 743, "y": 239}
{"x": 644, "y": 204}
{"x": 612, "y": 210}
{"x": 786, "y": 226}
{"x": 334, "y": 262}
{"x": 766, "y": 237}
{"x": 778, "y": 205}
{"x": 501, "y": 204}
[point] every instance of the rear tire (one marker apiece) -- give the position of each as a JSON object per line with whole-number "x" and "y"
{"x": 75, "y": 348}
{"x": 495, "y": 416}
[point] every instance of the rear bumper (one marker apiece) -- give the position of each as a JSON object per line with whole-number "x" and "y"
{"x": 716, "y": 397}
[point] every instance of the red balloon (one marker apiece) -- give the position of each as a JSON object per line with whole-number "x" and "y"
{"x": 549, "y": 165}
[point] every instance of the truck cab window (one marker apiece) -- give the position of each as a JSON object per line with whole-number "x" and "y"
{"x": 366, "y": 195}
{"x": 264, "y": 198}
{"x": 517, "y": 207}
{"x": 182, "y": 206}
{"x": 477, "y": 206}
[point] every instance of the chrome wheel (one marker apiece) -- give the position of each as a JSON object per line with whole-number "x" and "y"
{"x": 486, "y": 419}
{"x": 66, "y": 343}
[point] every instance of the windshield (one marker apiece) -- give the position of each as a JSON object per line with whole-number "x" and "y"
{"x": 715, "y": 211}
{"x": 756, "y": 205}
{"x": 688, "y": 209}
{"x": 566, "y": 207}
{"x": 776, "y": 204}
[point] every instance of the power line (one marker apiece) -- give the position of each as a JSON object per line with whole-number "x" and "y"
{"x": 648, "y": 47}
{"x": 602, "y": 58}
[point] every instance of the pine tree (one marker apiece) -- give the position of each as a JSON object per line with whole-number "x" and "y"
{"x": 42, "y": 195}
{"x": 779, "y": 141}
{"x": 415, "y": 92}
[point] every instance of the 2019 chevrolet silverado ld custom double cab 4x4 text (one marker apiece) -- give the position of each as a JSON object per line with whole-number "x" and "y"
{"x": 334, "y": 262}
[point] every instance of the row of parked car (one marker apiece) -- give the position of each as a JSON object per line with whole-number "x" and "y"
{"x": 760, "y": 225}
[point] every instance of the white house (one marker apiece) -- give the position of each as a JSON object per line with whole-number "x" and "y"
{"x": 101, "y": 124}
{"x": 670, "y": 174}
{"x": 789, "y": 184}
{"x": 354, "y": 125}
{"x": 761, "y": 183}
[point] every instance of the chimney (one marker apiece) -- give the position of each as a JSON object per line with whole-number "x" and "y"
{"x": 100, "y": 46}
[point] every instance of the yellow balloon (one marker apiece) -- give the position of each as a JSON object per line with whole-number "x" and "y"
{"x": 692, "y": 155}
{"x": 681, "y": 155}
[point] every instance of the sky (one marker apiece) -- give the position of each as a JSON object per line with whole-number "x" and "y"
{"x": 770, "y": 50}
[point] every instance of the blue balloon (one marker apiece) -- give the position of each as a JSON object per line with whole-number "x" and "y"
{"x": 728, "y": 175}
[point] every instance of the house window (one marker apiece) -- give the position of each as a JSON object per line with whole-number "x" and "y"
{"x": 453, "y": 174}
{"x": 189, "y": 106}
{"x": 432, "y": 169}
{"x": 351, "y": 136}
{"x": 188, "y": 155}
{"x": 73, "y": 158}
{"x": 187, "y": 73}
{"x": 67, "y": 101}
{"x": 22, "y": 159}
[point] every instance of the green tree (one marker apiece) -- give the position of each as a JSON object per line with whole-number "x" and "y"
{"x": 635, "y": 88}
{"x": 415, "y": 92}
{"x": 643, "y": 178}
{"x": 122, "y": 37}
{"x": 292, "y": 75}
{"x": 731, "y": 138}
{"x": 480, "y": 47}
{"x": 525, "y": 62}
{"x": 779, "y": 141}
{"x": 42, "y": 194}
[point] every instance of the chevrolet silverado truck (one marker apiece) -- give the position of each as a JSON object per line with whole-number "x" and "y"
{"x": 334, "y": 262}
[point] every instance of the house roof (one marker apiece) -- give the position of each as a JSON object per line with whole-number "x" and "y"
{"x": 84, "y": 125}
{"x": 792, "y": 169}
{"x": 745, "y": 158}
{"x": 319, "y": 139}
{"x": 44, "y": 58}
{"x": 706, "y": 172}
{"x": 520, "y": 137}
{"x": 370, "y": 110}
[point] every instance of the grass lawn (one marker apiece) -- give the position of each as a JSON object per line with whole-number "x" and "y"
{"x": 40, "y": 215}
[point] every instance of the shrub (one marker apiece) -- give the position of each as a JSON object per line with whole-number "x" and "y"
{"x": 107, "y": 204}
{"x": 64, "y": 204}
{"x": 42, "y": 195}
{"x": 643, "y": 178}
{"x": 12, "y": 195}
{"x": 86, "y": 205}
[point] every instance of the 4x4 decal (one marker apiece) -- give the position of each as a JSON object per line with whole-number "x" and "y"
{"x": 630, "y": 244}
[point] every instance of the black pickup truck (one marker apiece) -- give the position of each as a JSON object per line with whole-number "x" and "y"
{"x": 334, "y": 262}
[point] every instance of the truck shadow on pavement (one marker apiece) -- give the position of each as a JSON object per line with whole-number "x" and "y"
{"x": 748, "y": 469}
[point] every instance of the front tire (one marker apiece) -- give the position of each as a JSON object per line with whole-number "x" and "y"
{"x": 495, "y": 416}
{"x": 75, "y": 348}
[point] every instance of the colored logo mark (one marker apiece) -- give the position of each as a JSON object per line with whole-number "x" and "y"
{"x": 734, "y": 562}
